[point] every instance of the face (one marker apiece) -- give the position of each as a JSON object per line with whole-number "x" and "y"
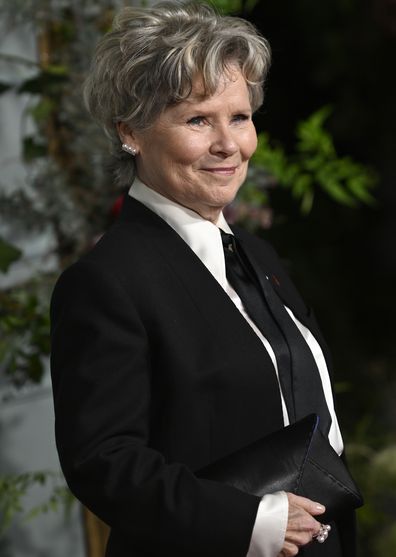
{"x": 197, "y": 151}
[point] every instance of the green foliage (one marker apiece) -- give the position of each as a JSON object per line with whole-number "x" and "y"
{"x": 33, "y": 148}
{"x": 8, "y": 254}
{"x": 253, "y": 194}
{"x": 314, "y": 164}
{"x": 235, "y": 6}
{"x": 13, "y": 489}
{"x": 50, "y": 85}
{"x": 375, "y": 470}
{"x": 24, "y": 342}
{"x": 49, "y": 81}
{"x": 42, "y": 110}
{"x": 24, "y": 336}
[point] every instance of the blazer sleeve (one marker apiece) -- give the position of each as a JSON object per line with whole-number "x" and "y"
{"x": 100, "y": 365}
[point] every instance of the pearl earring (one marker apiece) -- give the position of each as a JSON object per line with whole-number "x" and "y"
{"x": 128, "y": 149}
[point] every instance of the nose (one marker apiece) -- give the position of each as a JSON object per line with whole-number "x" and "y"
{"x": 223, "y": 142}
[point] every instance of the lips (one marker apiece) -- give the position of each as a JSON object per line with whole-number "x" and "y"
{"x": 222, "y": 170}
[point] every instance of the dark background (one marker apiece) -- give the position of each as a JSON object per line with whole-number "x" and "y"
{"x": 342, "y": 53}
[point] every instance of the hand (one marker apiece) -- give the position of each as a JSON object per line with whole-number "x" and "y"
{"x": 301, "y": 525}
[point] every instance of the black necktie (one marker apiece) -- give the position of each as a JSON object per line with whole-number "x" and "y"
{"x": 298, "y": 373}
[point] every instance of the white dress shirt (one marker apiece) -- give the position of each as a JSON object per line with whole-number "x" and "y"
{"x": 203, "y": 237}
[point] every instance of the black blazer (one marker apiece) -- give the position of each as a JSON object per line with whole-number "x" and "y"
{"x": 155, "y": 375}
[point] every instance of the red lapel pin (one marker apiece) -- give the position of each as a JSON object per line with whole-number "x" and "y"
{"x": 275, "y": 280}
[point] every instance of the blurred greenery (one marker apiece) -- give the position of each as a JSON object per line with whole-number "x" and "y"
{"x": 315, "y": 163}
{"x": 8, "y": 254}
{"x": 13, "y": 489}
{"x": 24, "y": 335}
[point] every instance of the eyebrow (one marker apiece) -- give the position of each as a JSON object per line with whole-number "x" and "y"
{"x": 198, "y": 110}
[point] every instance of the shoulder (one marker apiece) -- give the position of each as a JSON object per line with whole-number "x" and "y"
{"x": 123, "y": 248}
{"x": 128, "y": 259}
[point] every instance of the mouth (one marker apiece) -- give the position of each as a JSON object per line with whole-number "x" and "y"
{"x": 221, "y": 170}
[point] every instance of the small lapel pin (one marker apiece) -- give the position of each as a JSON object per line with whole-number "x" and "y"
{"x": 275, "y": 280}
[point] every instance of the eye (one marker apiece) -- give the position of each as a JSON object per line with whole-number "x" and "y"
{"x": 241, "y": 118}
{"x": 196, "y": 121}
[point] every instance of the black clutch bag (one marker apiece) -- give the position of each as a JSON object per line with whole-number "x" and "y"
{"x": 298, "y": 459}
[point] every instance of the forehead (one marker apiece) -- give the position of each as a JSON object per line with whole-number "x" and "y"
{"x": 232, "y": 92}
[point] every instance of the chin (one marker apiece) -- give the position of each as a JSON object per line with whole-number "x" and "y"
{"x": 226, "y": 195}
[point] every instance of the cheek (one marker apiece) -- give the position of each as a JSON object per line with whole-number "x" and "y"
{"x": 187, "y": 150}
{"x": 250, "y": 144}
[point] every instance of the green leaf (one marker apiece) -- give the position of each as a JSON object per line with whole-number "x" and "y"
{"x": 57, "y": 70}
{"x": 43, "y": 110}
{"x": 359, "y": 185}
{"x": 24, "y": 334}
{"x": 48, "y": 82}
{"x": 337, "y": 192}
{"x": 307, "y": 201}
{"x": 14, "y": 488}
{"x": 8, "y": 254}
{"x": 315, "y": 164}
{"x": 33, "y": 149}
{"x": 311, "y": 137}
{"x": 229, "y": 6}
{"x": 272, "y": 158}
{"x": 302, "y": 185}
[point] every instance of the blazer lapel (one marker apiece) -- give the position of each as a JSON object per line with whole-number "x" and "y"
{"x": 210, "y": 298}
{"x": 268, "y": 267}
{"x": 234, "y": 336}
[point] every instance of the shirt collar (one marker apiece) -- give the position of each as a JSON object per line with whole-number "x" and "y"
{"x": 201, "y": 235}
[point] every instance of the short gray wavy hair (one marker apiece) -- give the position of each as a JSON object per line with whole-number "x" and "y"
{"x": 151, "y": 57}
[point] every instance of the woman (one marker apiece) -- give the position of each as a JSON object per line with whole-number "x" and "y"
{"x": 159, "y": 366}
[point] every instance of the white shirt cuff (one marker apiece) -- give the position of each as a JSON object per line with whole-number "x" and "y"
{"x": 270, "y": 527}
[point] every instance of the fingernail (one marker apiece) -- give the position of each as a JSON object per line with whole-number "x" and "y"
{"x": 320, "y": 507}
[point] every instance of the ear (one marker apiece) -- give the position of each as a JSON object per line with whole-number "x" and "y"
{"x": 125, "y": 133}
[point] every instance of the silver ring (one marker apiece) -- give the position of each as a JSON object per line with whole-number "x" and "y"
{"x": 323, "y": 533}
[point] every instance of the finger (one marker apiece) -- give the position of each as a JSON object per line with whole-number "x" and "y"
{"x": 312, "y": 507}
{"x": 301, "y": 537}
{"x": 301, "y": 526}
{"x": 323, "y": 533}
{"x": 289, "y": 550}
